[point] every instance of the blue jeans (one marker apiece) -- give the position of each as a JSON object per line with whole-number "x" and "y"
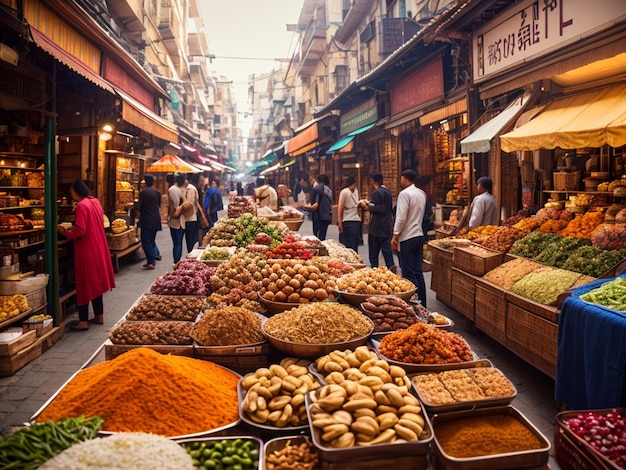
{"x": 148, "y": 243}
{"x": 320, "y": 228}
{"x": 376, "y": 245}
{"x": 177, "y": 242}
{"x": 351, "y": 234}
{"x": 411, "y": 256}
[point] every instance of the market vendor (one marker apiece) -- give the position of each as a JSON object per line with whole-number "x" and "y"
{"x": 484, "y": 209}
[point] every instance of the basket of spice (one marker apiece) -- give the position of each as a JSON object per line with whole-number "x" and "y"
{"x": 231, "y": 336}
{"x": 492, "y": 437}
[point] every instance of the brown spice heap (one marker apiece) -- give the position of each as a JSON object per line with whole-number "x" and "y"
{"x": 228, "y": 326}
{"x": 510, "y": 272}
{"x": 484, "y": 435}
{"x": 319, "y": 323}
{"x": 144, "y": 391}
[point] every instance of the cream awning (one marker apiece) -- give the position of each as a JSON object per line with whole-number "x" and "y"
{"x": 590, "y": 119}
{"x": 479, "y": 141}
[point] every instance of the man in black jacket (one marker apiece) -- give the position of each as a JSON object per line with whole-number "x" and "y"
{"x": 381, "y": 223}
{"x": 149, "y": 208}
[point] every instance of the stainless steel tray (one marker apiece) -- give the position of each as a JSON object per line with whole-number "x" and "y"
{"x": 529, "y": 458}
{"x": 243, "y": 416}
{"x": 258, "y": 442}
{"x": 412, "y": 368}
{"x": 92, "y": 361}
{"x": 464, "y": 405}
{"x": 279, "y": 443}
{"x": 371, "y": 452}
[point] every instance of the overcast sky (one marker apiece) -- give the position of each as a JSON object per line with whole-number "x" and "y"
{"x": 240, "y": 31}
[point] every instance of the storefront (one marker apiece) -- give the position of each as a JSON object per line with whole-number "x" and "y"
{"x": 578, "y": 59}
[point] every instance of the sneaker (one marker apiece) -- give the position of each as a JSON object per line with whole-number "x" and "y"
{"x": 394, "y": 269}
{"x": 158, "y": 258}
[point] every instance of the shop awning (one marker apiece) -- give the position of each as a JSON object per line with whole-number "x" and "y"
{"x": 346, "y": 140}
{"x": 76, "y": 65}
{"x": 289, "y": 163}
{"x": 172, "y": 164}
{"x": 270, "y": 169}
{"x": 304, "y": 140}
{"x": 221, "y": 167}
{"x": 479, "y": 141}
{"x": 138, "y": 115}
{"x": 590, "y": 119}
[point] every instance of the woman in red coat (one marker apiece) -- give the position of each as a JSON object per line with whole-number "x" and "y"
{"x": 92, "y": 258}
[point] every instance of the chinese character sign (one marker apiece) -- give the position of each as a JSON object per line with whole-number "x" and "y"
{"x": 535, "y": 28}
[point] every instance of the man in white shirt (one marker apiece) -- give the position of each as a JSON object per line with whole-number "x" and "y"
{"x": 484, "y": 205}
{"x": 408, "y": 237}
{"x": 348, "y": 218}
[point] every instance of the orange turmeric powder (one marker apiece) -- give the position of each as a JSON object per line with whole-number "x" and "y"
{"x": 145, "y": 391}
{"x": 484, "y": 435}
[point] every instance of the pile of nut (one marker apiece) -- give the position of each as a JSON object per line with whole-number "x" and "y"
{"x": 366, "y": 401}
{"x": 152, "y": 332}
{"x": 293, "y": 280}
{"x": 275, "y": 395}
{"x": 389, "y": 313}
{"x": 165, "y": 307}
{"x": 374, "y": 281}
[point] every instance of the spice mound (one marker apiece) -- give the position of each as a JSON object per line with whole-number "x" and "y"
{"x": 484, "y": 435}
{"x": 319, "y": 323}
{"x": 425, "y": 344}
{"x": 144, "y": 391}
{"x": 228, "y": 326}
{"x": 139, "y": 451}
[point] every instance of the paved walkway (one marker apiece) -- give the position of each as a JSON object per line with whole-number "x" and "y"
{"x": 22, "y": 394}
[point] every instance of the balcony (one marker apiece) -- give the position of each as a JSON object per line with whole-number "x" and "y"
{"x": 169, "y": 29}
{"x": 313, "y": 45}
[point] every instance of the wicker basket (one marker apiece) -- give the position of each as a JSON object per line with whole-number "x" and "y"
{"x": 121, "y": 241}
{"x": 37, "y": 299}
{"x": 293, "y": 225}
{"x": 565, "y": 181}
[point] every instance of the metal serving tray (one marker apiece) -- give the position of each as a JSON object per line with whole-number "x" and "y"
{"x": 243, "y": 416}
{"x": 371, "y": 452}
{"x": 279, "y": 443}
{"x": 95, "y": 359}
{"x": 464, "y": 405}
{"x": 413, "y": 368}
{"x": 528, "y": 458}
{"x": 258, "y": 441}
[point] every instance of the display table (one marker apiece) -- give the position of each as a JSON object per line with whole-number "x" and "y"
{"x": 591, "y": 361}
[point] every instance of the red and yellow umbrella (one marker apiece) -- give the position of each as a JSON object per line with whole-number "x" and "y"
{"x": 172, "y": 164}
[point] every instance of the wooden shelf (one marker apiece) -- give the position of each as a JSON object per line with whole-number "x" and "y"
{"x": 31, "y": 206}
{"x": 16, "y": 318}
{"x": 5, "y": 167}
{"x": 21, "y": 154}
{"x": 19, "y": 232}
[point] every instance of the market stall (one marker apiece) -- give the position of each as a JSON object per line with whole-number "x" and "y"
{"x": 309, "y": 381}
{"x": 591, "y": 367}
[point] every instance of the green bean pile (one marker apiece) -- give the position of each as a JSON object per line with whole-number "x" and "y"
{"x": 30, "y": 447}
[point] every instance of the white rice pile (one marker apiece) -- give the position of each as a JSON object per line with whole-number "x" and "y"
{"x": 121, "y": 451}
